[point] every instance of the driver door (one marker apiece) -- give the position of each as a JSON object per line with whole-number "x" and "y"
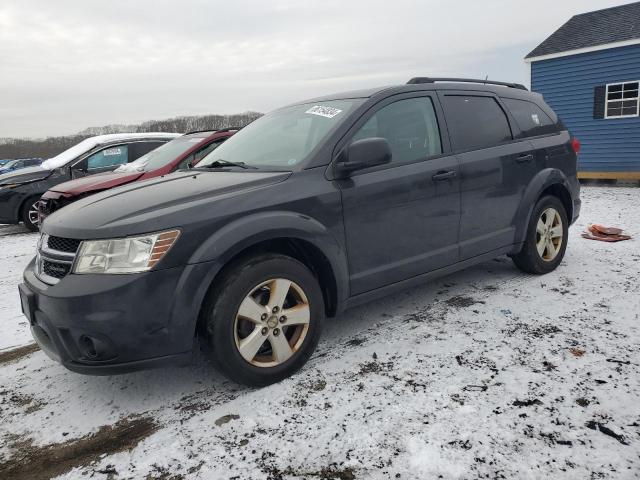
{"x": 402, "y": 218}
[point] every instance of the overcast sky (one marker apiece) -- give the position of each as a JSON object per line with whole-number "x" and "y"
{"x": 70, "y": 64}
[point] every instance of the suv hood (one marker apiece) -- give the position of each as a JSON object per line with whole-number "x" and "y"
{"x": 93, "y": 183}
{"x": 24, "y": 175}
{"x": 156, "y": 204}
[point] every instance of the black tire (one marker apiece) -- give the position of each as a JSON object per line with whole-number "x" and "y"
{"x": 221, "y": 310}
{"x": 529, "y": 259}
{"x": 25, "y": 214}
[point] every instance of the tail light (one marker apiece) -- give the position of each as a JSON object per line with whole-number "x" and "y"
{"x": 575, "y": 144}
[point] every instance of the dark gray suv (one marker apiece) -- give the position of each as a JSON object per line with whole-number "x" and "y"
{"x": 313, "y": 208}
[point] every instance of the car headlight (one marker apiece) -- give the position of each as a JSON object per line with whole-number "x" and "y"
{"x": 124, "y": 255}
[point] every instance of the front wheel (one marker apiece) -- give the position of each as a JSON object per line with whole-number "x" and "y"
{"x": 29, "y": 214}
{"x": 264, "y": 319}
{"x": 546, "y": 239}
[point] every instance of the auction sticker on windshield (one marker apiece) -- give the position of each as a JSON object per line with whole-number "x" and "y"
{"x": 328, "y": 112}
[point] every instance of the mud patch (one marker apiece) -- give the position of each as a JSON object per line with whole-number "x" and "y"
{"x": 21, "y": 400}
{"x": 327, "y": 473}
{"x": 15, "y": 354}
{"x": 226, "y": 419}
{"x": 375, "y": 367}
{"x": 162, "y": 473}
{"x": 461, "y": 301}
{"x": 43, "y": 462}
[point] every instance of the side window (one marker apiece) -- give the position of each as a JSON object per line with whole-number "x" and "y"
{"x": 108, "y": 157}
{"x": 476, "y": 122}
{"x": 530, "y": 118}
{"x": 410, "y": 126}
{"x": 185, "y": 163}
{"x": 206, "y": 151}
{"x": 138, "y": 149}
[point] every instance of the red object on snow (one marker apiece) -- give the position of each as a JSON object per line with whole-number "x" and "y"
{"x": 604, "y": 234}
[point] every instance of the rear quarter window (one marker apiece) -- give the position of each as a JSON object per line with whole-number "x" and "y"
{"x": 531, "y": 119}
{"x": 476, "y": 122}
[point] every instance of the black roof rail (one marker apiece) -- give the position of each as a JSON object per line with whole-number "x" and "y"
{"x": 417, "y": 80}
{"x": 213, "y": 130}
{"x": 229, "y": 129}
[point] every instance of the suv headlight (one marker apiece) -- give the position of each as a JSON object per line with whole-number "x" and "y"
{"x": 124, "y": 255}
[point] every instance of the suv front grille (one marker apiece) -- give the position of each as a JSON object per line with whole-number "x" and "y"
{"x": 55, "y": 269}
{"x": 69, "y": 245}
{"x": 55, "y": 258}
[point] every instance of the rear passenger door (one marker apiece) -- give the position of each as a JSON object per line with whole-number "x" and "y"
{"x": 495, "y": 167}
{"x": 401, "y": 219}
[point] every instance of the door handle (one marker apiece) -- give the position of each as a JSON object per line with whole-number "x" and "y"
{"x": 443, "y": 176}
{"x": 525, "y": 157}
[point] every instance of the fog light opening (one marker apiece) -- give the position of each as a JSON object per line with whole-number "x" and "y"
{"x": 87, "y": 347}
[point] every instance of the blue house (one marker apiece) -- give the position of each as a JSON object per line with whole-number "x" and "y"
{"x": 589, "y": 72}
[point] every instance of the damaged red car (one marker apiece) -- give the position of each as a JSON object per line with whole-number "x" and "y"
{"x": 183, "y": 152}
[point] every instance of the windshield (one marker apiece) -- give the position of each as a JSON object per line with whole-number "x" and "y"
{"x": 162, "y": 155}
{"x": 283, "y": 138}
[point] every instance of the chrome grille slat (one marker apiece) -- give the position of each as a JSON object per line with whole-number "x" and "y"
{"x": 55, "y": 258}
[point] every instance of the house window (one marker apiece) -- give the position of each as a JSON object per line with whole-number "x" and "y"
{"x": 622, "y": 100}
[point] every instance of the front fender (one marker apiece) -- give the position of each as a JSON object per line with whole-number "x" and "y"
{"x": 247, "y": 231}
{"x": 543, "y": 180}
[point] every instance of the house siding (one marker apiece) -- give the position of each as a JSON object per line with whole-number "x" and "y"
{"x": 567, "y": 84}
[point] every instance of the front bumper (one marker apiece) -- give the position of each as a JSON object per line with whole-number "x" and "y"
{"x": 107, "y": 324}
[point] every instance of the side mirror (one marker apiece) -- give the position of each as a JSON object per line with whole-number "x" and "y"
{"x": 365, "y": 153}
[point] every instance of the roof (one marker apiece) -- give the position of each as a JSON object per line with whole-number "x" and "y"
{"x": 592, "y": 29}
{"x": 500, "y": 88}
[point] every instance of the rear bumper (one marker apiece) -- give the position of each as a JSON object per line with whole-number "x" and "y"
{"x": 577, "y": 204}
{"x": 108, "y": 324}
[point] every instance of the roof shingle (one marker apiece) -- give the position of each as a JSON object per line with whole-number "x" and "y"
{"x": 615, "y": 24}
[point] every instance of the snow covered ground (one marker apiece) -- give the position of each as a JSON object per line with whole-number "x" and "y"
{"x": 487, "y": 373}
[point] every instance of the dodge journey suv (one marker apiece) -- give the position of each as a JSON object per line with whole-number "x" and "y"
{"x": 311, "y": 209}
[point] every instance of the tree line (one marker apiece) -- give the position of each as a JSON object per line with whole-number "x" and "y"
{"x": 51, "y": 146}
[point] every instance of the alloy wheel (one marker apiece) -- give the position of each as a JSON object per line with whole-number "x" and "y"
{"x": 272, "y": 322}
{"x": 549, "y": 233}
{"x": 33, "y": 215}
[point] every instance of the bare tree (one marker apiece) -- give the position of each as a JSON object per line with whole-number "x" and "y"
{"x": 51, "y": 146}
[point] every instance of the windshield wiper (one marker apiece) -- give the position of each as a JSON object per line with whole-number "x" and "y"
{"x": 225, "y": 163}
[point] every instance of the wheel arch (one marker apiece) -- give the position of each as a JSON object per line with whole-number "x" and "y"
{"x": 28, "y": 198}
{"x": 297, "y": 236}
{"x": 549, "y": 181}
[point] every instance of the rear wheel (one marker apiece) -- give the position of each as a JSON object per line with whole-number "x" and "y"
{"x": 264, "y": 319}
{"x": 29, "y": 214}
{"x": 546, "y": 239}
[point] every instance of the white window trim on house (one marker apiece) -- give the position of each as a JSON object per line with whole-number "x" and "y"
{"x": 607, "y": 101}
